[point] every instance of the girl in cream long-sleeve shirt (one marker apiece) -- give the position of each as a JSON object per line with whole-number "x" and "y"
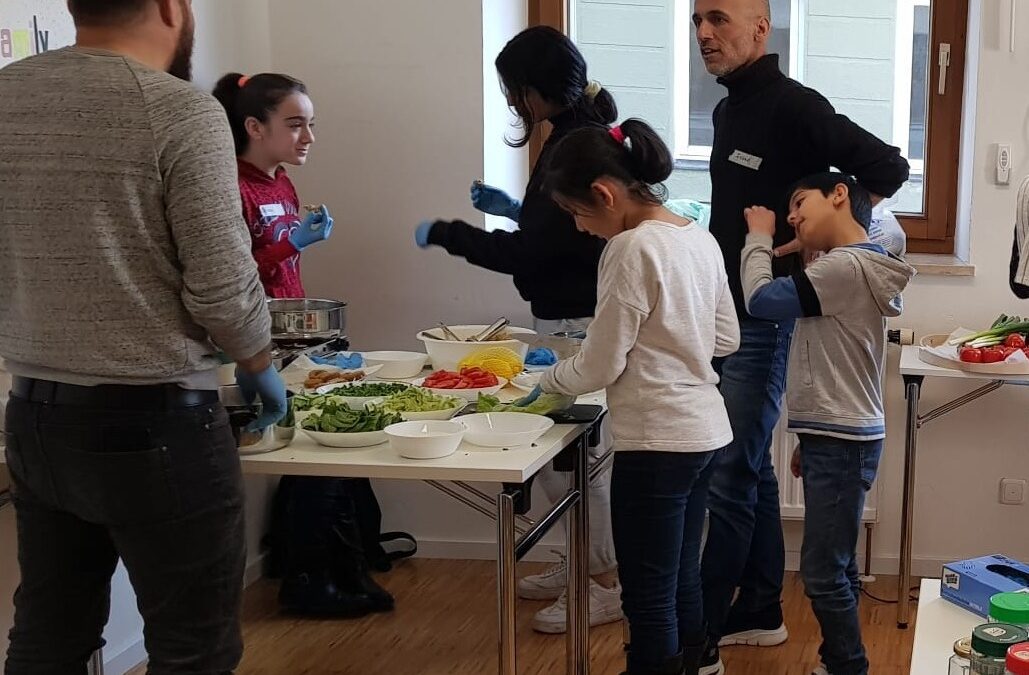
{"x": 664, "y": 311}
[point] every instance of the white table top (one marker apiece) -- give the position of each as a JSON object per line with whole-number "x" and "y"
{"x": 910, "y": 364}
{"x": 939, "y": 625}
{"x": 303, "y": 457}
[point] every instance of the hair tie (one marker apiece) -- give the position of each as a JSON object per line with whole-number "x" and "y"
{"x": 592, "y": 89}
{"x": 243, "y": 81}
{"x": 617, "y": 134}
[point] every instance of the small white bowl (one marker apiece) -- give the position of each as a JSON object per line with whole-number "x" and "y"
{"x": 505, "y": 429}
{"x": 362, "y": 439}
{"x": 471, "y": 395}
{"x": 425, "y": 440}
{"x": 396, "y": 365}
{"x": 432, "y": 414}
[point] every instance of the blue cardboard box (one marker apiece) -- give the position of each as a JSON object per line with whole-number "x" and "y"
{"x": 971, "y": 583}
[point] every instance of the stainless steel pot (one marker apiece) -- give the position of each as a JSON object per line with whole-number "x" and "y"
{"x": 306, "y": 319}
{"x": 241, "y": 414}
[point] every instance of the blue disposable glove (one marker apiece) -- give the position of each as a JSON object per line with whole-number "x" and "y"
{"x": 421, "y": 234}
{"x": 495, "y": 201}
{"x": 269, "y": 386}
{"x": 531, "y": 398}
{"x": 344, "y": 361}
{"x": 316, "y": 227}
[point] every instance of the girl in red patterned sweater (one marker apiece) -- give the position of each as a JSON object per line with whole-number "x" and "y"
{"x": 272, "y": 121}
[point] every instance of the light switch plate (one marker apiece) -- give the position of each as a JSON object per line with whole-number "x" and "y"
{"x": 1012, "y": 491}
{"x": 1003, "y": 164}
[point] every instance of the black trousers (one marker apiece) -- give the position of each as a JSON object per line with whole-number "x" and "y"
{"x": 160, "y": 489}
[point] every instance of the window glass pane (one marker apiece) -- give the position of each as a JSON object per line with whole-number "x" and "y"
{"x": 919, "y": 91}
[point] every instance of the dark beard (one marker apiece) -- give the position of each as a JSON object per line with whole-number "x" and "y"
{"x": 182, "y": 63}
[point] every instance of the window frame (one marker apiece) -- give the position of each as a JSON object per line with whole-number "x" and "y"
{"x": 932, "y": 231}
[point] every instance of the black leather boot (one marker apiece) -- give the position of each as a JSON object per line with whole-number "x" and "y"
{"x": 309, "y": 585}
{"x": 318, "y": 595}
{"x": 349, "y": 563}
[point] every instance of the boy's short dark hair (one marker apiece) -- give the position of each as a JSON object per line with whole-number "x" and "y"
{"x": 99, "y": 12}
{"x": 826, "y": 182}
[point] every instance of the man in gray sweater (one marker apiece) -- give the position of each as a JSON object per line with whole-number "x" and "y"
{"x": 125, "y": 267}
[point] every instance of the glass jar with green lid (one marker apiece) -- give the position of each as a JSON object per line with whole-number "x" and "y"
{"x": 1011, "y": 608}
{"x": 990, "y": 644}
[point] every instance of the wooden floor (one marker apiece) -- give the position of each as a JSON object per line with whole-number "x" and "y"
{"x": 445, "y": 624}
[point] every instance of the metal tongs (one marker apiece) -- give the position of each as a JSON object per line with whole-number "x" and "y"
{"x": 449, "y": 334}
{"x": 494, "y": 328}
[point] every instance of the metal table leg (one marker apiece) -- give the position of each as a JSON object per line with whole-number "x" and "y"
{"x": 507, "y": 602}
{"x": 912, "y": 390}
{"x": 578, "y": 533}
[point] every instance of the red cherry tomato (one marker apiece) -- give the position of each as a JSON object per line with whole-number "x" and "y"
{"x": 993, "y": 354}
{"x": 971, "y": 355}
{"x": 1015, "y": 340}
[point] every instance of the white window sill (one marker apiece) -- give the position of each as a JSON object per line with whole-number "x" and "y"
{"x": 933, "y": 264}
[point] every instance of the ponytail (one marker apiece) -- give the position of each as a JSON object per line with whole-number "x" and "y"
{"x": 631, "y": 153}
{"x": 258, "y": 96}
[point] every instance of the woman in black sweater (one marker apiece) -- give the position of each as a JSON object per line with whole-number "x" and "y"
{"x": 553, "y": 264}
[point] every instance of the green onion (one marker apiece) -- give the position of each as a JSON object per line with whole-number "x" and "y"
{"x": 1004, "y": 325}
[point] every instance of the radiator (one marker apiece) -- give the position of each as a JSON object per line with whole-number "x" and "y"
{"x": 791, "y": 490}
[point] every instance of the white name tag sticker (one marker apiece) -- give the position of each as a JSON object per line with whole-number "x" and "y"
{"x": 745, "y": 159}
{"x": 272, "y": 210}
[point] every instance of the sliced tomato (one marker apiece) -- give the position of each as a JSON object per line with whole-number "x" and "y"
{"x": 971, "y": 355}
{"x": 1016, "y": 340}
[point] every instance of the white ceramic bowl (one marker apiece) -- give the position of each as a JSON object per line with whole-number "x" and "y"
{"x": 505, "y": 429}
{"x": 471, "y": 395}
{"x": 396, "y": 365}
{"x": 433, "y": 414}
{"x": 447, "y": 354}
{"x": 425, "y": 440}
{"x": 362, "y": 439}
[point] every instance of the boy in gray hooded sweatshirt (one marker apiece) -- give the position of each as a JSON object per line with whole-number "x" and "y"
{"x": 834, "y": 383}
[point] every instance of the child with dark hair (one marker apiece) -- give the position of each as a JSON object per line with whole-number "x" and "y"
{"x": 272, "y": 122}
{"x": 834, "y": 383}
{"x": 664, "y": 311}
{"x": 554, "y": 268}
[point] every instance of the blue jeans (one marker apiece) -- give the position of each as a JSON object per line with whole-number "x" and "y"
{"x": 745, "y": 547}
{"x": 657, "y": 510}
{"x": 837, "y": 474}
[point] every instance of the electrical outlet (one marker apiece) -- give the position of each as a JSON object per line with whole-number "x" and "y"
{"x": 1012, "y": 491}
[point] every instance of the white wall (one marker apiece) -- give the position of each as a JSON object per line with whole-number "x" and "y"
{"x": 503, "y": 166}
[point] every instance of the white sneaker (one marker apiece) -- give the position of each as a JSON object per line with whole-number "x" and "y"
{"x": 605, "y": 607}
{"x": 549, "y": 585}
{"x": 756, "y": 638}
{"x": 821, "y": 670}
